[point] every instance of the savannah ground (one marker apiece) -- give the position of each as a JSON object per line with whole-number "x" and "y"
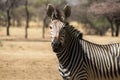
{"x": 32, "y": 58}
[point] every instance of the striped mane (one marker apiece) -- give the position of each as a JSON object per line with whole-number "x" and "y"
{"x": 74, "y": 32}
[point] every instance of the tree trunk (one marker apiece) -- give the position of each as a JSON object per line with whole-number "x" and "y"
{"x": 27, "y": 19}
{"x": 8, "y": 22}
{"x": 44, "y": 25}
{"x": 117, "y": 30}
{"x": 10, "y": 5}
{"x": 112, "y": 29}
{"x": 111, "y": 20}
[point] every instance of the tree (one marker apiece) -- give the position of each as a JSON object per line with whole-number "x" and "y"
{"x": 27, "y": 19}
{"x": 8, "y": 12}
{"x": 2, "y": 12}
{"x": 8, "y": 6}
{"x": 110, "y": 10}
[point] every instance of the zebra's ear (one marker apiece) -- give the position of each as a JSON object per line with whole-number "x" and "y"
{"x": 67, "y": 11}
{"x": 50, "y": 10}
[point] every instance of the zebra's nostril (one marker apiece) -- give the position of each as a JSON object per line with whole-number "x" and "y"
{"x": 56, "y": 44}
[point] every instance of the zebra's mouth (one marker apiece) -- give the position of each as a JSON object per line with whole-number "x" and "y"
{"x": 56, "y": 46}
{"x": 55, "y": 49}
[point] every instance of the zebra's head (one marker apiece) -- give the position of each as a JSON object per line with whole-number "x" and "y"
{"x": 57, "y": 25}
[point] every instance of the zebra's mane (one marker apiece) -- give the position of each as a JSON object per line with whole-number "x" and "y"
{"x": 74, "y": 32}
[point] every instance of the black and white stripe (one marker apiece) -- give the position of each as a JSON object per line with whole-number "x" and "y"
{"x": 80, "y": 59}
{"x": 83, "y": 60}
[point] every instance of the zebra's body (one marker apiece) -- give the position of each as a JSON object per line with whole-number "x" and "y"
{"x": 90, "y": 61}
{"x": 80, "y": 59}
{"x": 103, "y": 61}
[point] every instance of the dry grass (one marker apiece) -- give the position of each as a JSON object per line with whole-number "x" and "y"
{"x": 27, "y": 61}
{"x": 32, "y": 59}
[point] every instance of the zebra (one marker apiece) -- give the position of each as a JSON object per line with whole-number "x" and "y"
{"x": 78, "y": 58}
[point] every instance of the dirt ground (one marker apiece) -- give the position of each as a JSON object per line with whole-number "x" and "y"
{"x": 32, "y": 58}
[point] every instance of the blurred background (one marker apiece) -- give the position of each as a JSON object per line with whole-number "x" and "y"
{"x": 25, "y": 47}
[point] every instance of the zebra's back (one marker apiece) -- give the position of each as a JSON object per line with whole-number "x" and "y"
{"x": 101, "y": 61}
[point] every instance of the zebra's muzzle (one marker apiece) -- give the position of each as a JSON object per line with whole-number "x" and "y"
{"x": 56, "y": 45}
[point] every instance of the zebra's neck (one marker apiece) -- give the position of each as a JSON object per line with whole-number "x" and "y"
{"x": 73, "y": 32}
{"x": 70, "y": 56}
{"x": 65, "y": 54}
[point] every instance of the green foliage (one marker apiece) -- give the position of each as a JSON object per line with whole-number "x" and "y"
{"x": 100, "y": 25}
{"x": 21, "y": 10}
{"x": 49, "y": 1}
{"x": 56, "y": 1}
{"x": 2, "y": 18}
{"x": 2, "y": 14}
{"x": 100, "y": 22}
{"x": 40, "y": 2}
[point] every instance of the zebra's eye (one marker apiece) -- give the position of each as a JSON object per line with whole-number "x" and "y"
{"x": 50, "y": 27}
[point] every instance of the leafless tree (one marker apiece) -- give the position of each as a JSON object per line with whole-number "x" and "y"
{"x": 27, "y": 19}
{"x": 45, "y": 21}
{"x": 9, "y": 7}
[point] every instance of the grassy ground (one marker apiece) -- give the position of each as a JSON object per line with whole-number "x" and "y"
{"x": 33, "y": 59}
